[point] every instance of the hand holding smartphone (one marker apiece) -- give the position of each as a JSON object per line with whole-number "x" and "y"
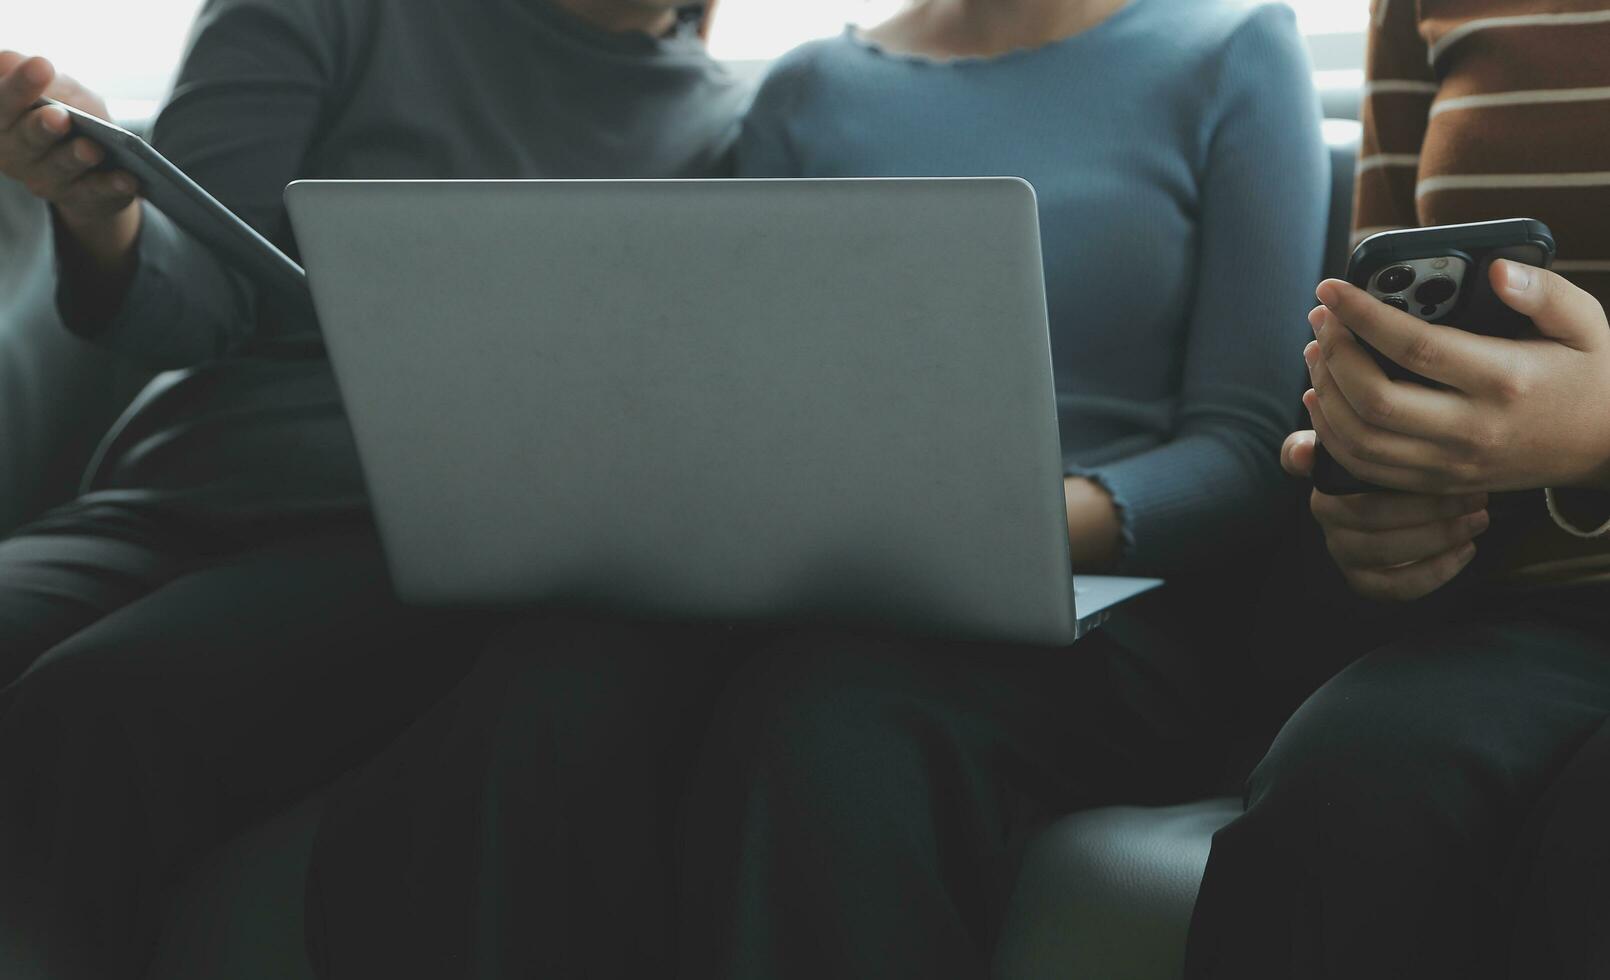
{"x": 1438, "y": 275}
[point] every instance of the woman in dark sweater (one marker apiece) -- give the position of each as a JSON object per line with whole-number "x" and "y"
{"x": 209, "y": 632}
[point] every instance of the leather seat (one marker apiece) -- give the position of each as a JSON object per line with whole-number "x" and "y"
{"x": 1107, "y": 894}
{"x": 58, "y": 394}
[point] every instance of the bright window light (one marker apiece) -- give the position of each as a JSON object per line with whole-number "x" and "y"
{"x": 1332, "y": 16}
{"x": 758, "y": 30}
{"x": 126, "y": 51}
{"x": 130, "y": 54}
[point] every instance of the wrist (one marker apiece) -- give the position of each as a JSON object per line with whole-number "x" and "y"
{"x": 96, "y": 265}
{"x": 1598, "y": 478}
{"x": 1579, "y": 512}
{"x": 1095, "y": 532}
{"x": 1592, "y": 474}
{"x": 104, "y": 244}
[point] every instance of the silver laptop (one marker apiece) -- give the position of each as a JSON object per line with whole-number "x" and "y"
{"x": 778, "y": 401}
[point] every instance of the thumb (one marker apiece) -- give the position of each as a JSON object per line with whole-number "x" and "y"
{"x": 1560, "y": 310}
{"x": 1297, "y": 455}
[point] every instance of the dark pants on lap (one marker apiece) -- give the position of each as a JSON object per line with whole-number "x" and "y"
{"x": 864, "y": 803}
{"x": 171, "y": 693}
{"x": 1438, "y": 809}
{"x": 607, "y": 800}
{"x": 525, "y": 826}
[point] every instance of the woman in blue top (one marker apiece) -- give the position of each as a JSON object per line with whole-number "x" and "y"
{"x": 859, "y": 799}
{"x": 862, "y": 799}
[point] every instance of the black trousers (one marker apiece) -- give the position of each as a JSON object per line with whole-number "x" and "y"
{"x": 526, "y": 825}
{"x": 1441, "y": 808}
{"x": 165, "y": 688}
{"x": 605, "y": 800}
{"x": 864, "y": 803}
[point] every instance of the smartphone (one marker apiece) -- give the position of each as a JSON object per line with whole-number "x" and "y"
{"x": 1439, "y": 275}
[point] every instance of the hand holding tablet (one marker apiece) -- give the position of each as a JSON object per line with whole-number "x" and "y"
{"x": 38, "y": 148}
{"x": 94, "y": 172}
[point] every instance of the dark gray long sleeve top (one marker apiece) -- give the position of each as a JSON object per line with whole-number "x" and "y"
{"x": 1183, "y": 186}
{"x": 272, "y": 91}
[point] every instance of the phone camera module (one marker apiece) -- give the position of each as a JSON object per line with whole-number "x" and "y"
{"x": 1436, "y": 291}
{"x": 1395, "y": 279}
{"x": 1396, "y": 302}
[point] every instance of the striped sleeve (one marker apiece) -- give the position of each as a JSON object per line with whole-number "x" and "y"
{"x": 1519, "y": 125}
{"x": 1397, "y": 104}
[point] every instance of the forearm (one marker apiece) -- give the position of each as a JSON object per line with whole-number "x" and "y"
{"x": 1189, "y": 502}
{"x": 1597, "y": 480}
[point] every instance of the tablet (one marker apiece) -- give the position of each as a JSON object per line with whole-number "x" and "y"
{"x": 189, "y": 205}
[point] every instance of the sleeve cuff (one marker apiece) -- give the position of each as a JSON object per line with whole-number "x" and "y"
{"x": 92, "y": 320}
{"x": 1574, "y": 511}
{"x": 1162, "y": 500}
{"x": 153, "y": 325}
{"x": 1185, "y": 504}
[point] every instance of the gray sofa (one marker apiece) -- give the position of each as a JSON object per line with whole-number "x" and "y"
{"x": 58, "y": 395}
{"x": 1104, "y": 894}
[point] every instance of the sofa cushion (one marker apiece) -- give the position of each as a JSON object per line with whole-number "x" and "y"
{"x": 1107, "y": 894}
{"x": 1343, "y": 137}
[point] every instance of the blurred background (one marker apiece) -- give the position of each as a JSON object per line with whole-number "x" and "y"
{"x": 133, "y": 48}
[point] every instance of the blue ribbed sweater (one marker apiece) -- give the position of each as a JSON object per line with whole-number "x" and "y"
{"x": 1183, "y": 189}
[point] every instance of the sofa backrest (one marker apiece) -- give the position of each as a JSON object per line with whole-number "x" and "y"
{"x": 1342, "y": 137}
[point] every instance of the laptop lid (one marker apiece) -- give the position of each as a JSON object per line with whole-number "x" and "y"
{"x": 796, "y": 400}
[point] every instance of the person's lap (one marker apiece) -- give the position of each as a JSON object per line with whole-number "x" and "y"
{"x": 1561, "y": 869}
{"x": 864, "y": 802}
{"x": 175, "y": 696}
{"x": 525, "y": 823}
{"x": 69, "y": 572}
{"x": 523, "y": 826}
{"x": 1384, "y": 826}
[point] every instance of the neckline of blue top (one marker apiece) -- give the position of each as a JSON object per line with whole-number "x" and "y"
{"x": 857, "y": 37}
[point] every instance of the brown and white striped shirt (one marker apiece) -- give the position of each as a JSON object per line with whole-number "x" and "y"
{"x": 1479, "y": 109}
{"x": 1485, "y": 109}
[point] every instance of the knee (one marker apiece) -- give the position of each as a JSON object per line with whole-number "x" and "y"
{"x": 567, "y": 695}
{"x": 1370, "y": 766}
{"x": 832, "y": 724}
{"x": 71, "y": 686}
{"x": 63, "y": 726}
